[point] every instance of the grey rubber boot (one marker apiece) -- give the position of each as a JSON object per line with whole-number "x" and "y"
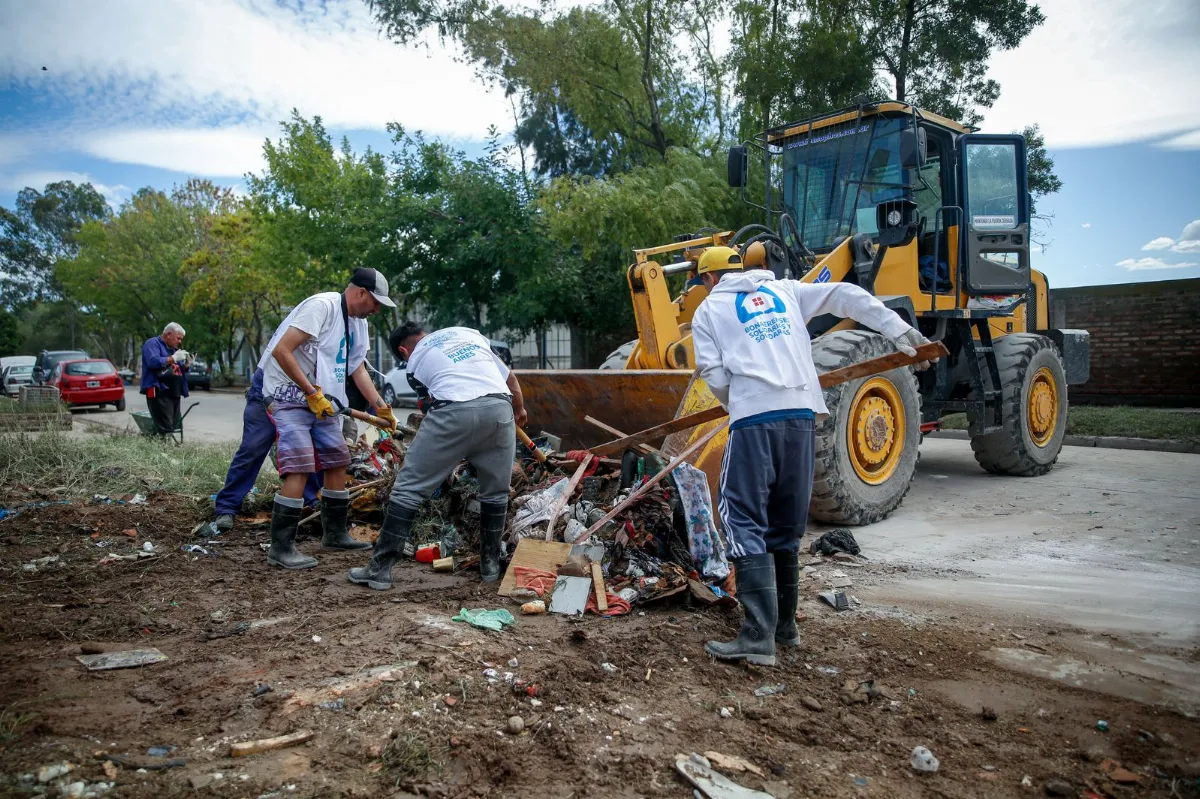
{"x": 755, "y": 643}
{"x": 787, "y": 589}
{"x": 334, "y": 513}
{"x": 224, "y": 522}
{"x": 283, "y": 539}
{"x": 492, "y": 518}
{"x": 397, "y": 527}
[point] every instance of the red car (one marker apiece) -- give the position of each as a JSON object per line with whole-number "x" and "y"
{"x": 90, "y": 382}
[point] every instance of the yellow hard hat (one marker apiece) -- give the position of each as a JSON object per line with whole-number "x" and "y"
{"x": 718, "y": 259}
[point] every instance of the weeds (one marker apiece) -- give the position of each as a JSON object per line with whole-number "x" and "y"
{"x": 11, "y": 722}
{"x": 114, "y": 464}
{"x": 1091, "y": 420}
{"x": 407, "y": 757}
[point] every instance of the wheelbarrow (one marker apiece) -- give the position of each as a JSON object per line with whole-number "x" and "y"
{"x": 145, "y": 423}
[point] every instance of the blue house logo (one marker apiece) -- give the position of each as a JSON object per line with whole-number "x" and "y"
{"x": 752, "y": 305}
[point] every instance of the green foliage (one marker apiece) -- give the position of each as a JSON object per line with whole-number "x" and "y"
{"x": 41, "y": 230}
{"x": 10, "y": 332}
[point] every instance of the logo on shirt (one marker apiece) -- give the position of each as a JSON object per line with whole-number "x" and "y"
{"x": 344, "y": 349}
{"x": 752, "y": 305}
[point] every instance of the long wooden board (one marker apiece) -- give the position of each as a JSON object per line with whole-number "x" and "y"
{"x": 566, "y": 498}
{"x": 874, "y": 366}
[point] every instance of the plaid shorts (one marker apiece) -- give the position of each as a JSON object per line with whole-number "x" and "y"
{"x": 304, "y": 443}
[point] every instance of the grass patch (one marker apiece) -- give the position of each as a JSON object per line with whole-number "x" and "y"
{"x": 1117, "y": 420}
{"x": 11, "y": 723}
{"x": 407, "y": 757}
{"x": 115, "y": 464}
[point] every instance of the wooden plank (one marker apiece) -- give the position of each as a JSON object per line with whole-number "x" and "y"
{"x": 874, "y": 366}
{"x": 646, "y": 486}
{"x": 268, "y": 744}
{"x": 660, "y": 431}
{"x": 544, "y": 555}
{"x": 612, "y": 431}
{"x": 884, "y": 363}
{"x": 601, "y": 589}
{"x": 566, "y": 498}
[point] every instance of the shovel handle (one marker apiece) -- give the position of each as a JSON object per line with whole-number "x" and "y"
{"x": 528, "y": 442}
{"x": 363, "y": 416}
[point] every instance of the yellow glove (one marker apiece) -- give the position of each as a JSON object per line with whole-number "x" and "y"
{"x": 321, "y": 407}
{"x": 384, "y": 412}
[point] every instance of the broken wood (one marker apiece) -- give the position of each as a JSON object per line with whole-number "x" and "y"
{"x": 561, "y": 504}
{"x": 658, "y": 431}
{"x": 524, "y": 438}
{"x": 600, "y": 587}
{"x": 612, "y": 431}
{"x": 355, "y": 492}
{"x": 269, "y": 744}
{"x": 874, "y": 366}
{"x": 646, "y": 486}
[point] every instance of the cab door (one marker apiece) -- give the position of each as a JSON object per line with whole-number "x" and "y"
{"x": 995, "y": 244}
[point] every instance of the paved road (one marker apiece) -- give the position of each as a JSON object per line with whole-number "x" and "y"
{"x": 217, "y": 416}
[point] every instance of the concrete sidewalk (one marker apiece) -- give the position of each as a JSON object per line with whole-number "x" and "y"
{"x": 1106, "y": 442}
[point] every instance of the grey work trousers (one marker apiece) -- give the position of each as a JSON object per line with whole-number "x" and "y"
{"x": 481, "y": 430}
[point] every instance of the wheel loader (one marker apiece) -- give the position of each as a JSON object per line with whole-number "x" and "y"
{"x": 931, "y": 217}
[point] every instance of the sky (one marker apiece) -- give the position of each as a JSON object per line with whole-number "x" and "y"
{"x": 130, "y": 93}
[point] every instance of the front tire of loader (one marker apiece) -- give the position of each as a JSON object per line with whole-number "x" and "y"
{"x": 866, "y": 449}
{"x": 1034, "y": 386}
{"x": 618, "y": 358}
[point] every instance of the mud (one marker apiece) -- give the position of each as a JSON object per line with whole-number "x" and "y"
{"x": 371, "y": 674}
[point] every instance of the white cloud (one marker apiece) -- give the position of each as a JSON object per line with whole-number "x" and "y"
{"x": 1086, "y": 225}
{"x": 1186, "y": 245}
{"x": 1160, "y": 243}
{"x": 1151, "y": 263}
{"x": 1083, "y": 75}
{"x": 115, "y": 195}
{"x": 203, "y": 151}
{"x": 1184, "y": 141}
{"x": 1191, "y": 231}
{"x": 137, "y": 73}
{"x": 1189, "y": 240}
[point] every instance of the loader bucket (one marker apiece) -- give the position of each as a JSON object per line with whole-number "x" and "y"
{"x": 628, "y": 400}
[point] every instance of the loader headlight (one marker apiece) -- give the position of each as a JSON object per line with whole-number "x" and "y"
{"x": 894, "y": 218}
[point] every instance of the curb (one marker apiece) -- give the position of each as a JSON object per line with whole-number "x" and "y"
{"x": 1103, "y": 442}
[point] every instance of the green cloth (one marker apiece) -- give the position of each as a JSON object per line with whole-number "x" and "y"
{"x": 486, "y": 619}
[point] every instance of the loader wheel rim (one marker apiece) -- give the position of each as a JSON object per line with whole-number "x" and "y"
{"x": 1042, "y": 407}
{"x": 875, "y": 430}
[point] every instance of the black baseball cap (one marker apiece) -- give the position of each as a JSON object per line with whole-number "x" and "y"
{"x": 373, "y": 281}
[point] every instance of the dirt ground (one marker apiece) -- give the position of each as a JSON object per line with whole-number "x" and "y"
{"x": 396, "y": 695}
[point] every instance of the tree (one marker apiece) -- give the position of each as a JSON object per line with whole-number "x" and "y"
{"x": 10, "y": 332}
{"x": 39, "y": 232}
{"x": 937, "y": 51}
{"x": 1042, "y": 181}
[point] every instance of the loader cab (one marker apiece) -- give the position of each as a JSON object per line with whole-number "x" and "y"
{"x": 970, "y": 218}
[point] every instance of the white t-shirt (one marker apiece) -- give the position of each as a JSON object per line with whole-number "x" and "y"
{"x": 322, "y": 356}
{"x": 457, "y": 364}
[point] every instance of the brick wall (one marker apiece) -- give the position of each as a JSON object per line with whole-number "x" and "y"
{"x": 1145, "y": 341}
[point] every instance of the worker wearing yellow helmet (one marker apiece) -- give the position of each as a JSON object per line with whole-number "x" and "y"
{"x": 753, "y": 350}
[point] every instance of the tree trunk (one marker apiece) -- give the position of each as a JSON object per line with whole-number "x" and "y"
{"x": 910, "y": 10}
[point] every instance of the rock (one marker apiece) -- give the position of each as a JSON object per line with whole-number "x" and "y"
{"x": 74, "y": 790}
{"x": 922, "y": 760}
{"x": 812, "y": 704}
{"x": 516, "y": 725}
{"x": 988, "y": 713}
{"x": 92, "y": 649}
{"x": 1027, "y": 781}
{"x": 758, "y": 713}
{"x": 53, "y": 772}
{"x": 199, "y": 781}
{"x": 987, "y": 776}
{"x": 1059, "y": 788}
{"x": 844, "y": 557}
{"x": 726, "y": 712}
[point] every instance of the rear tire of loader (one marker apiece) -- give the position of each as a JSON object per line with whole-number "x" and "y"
{"x": 864, "y": 467}
{"x": 1035, "y": 408}
{"x": 618, "y": 358}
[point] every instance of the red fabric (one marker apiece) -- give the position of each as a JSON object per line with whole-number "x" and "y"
{"x": 578, "y": 455}
{"x": 542, "y": 582}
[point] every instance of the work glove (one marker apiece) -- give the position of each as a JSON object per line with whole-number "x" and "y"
{"x": 908, "y": 343}
{"x": 179, "y": 356}
{"x": 319, "y": 405}
{"x": 384, "y": 412}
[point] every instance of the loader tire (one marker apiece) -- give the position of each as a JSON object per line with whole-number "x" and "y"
{"x": 864, "y": 466}
{"x": 1034, "y": 398}
{"x": 620, "y": 356}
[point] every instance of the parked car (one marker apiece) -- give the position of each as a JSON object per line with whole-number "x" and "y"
{"x": 89, "y": 382}
{"x": 397, "y": 392}
{"x": 199, "y": 375}
{"x": 13, "y": 377}
{"x": 48, "y": 359}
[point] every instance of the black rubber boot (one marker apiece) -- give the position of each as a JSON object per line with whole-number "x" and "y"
{"x": 492, "y": 518}
{"x": 397, "y": 527}
{"x": 334, "y": 513}
{"x": 283, "y": 539}
{"x": 787, "y": 588}
{"x": 755, "y": 643}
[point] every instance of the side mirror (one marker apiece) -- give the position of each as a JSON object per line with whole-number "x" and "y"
{"x": 737, "y": 166}
{"x": 912, "y": 148}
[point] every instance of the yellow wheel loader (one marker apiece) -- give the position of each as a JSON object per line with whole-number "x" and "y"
{"x": 926, "y": 214}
